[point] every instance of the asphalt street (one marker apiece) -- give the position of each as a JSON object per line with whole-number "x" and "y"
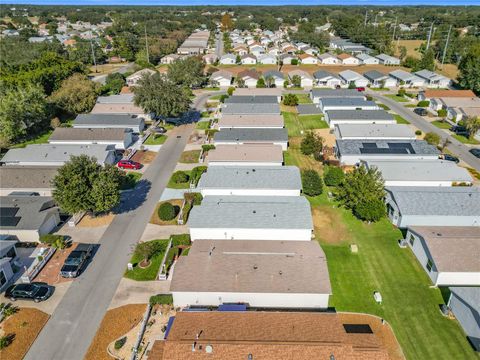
{"x": 72, "y": 327}
{"x": 219, "y": 45}
{"x": 455, "y": 146}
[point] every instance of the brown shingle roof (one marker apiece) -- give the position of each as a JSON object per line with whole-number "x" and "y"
{"x": 249, "y": 73}
{"x": 438, "y": 93}
{"x": 246, "y": 153}
{"x": 344, "y": 56}
{"x": 27, "y": 177}
{"x": 80, "y": 134}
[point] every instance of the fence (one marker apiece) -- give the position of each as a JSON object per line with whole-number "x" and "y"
{"x": 162, "y": 272}
{"x": 140, "y": 333}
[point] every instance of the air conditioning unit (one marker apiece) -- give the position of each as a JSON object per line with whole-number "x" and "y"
{"x": 402, "y": 243}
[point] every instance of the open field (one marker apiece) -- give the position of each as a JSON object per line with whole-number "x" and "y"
{"x": 105, "y": 69}
{"x": 411, "y": 46}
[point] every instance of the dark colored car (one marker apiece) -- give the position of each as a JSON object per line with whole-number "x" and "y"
{"x": 448, "y": 157}
{"x": 76, "y": 260}
{"x": 159, "y": 130}
{"x": 475, "y": 152}
{"x": 460, "y": 130}
{"x": 36, "y": 291}
{"x": 361, "y": 89}
{"x": 420, "y": 111}
{"x": 129, "y": 164}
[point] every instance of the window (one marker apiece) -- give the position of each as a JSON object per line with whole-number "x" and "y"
{"x": 412, "y": 239}
{"x": 3, "y": 279}
{"x": 429, "y": 265}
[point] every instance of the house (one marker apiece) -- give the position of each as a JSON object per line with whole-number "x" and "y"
{"x": 464, "y": 303}
{"x": 248, "y": 59}
{"x": 366, "y": 59}
{"x": 251, "y": 181}
{"x": 120, "y": 109}
{"x": 222, "y": 78}
{"x": 308, "y": 59}
{"x": 433, "y": 206}
{"x": 434, "y": 80}
{"x": 27, "y": 179}
{"x": 168, "y": 59}
{"x": 356, "y": 131}
{"x": 56, "y": 155}
{"x": 28, "y": 217}
{"x": 251, "y": 99}
{"x": 286, "y": 59}
{"x": 404, "y": 78}
{"x": 459, "y": 113}
{"x": 308, "y": 109}
{"x": 260, "y": 92}
{"x": 251, "y": 218}
{"x": 325, "y": 79}
{"x": 133, "y": 79}
{"x": 250, "y": 122}
{"x": 195, "y": 44}
{"x": 246, "y": 155}
{"x": 317, "y": 94}
{"x": 266, "y": 335}
{"x": 441, "y": 93}
{"x": 249, "y": 78}
{"x": 380, "y": 80}
{"x": 267, "y": 59}
{"x": 8, "y": 254}
{"x": 311, "y": 51}
{"x": 388, "y": 60}
{"x": 363, "y": 117}
{"x": 306, "y": 80}
{"x": 251, "y": 136}
{"x": 421, "y": 172}
{"x": 120, "y": 138}
{"x": 116, "y": 99}
{"x": 256, "y": 273}
{"x": 342, "y": 103}
{"x": 251, "y": 109}
{"x": 276, "y": 77}
{"x": 328, "y": 59}
{"x": 210, "y": 58}
{"x": 351, "y": 152}
{"x": 109, "y": 121}
{"x": 257, "y": 50}
{"x": 347, "y": 59}
{"x": 448, "y": 254}
{"x": 228, "y": 59}
{"x": 274, "y": 51}
{"x": 457, "y": 108}
{"x": 350, "y": 77}
{"x": 240, "y": 50}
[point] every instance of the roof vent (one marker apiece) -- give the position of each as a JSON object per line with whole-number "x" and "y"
{"x": 280, "y": 272}
{"x": 255, "y": 267}
{"x": 254, "y": 211}
{"x": 209, "y": 349}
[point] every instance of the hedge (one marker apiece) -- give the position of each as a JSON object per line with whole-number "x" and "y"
{"x": 120, "y": 342}
{"x": 180, "y": 177}
{"x": 161, "y": 299}
{"x": 196, "y": 173}
{"x": 166, "y": 212}
{"x": 181, "y": 239}
{"x": 423, "y": 103}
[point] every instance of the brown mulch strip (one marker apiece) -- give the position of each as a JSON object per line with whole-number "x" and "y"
{"x": 101, "y": 220}
{"x": 26, "y": 324}
{"x": 383, "y": 332}
{"x": 144, "y": 157}
{"x": 155, "y": 219}
{"x": 116, "y": 323}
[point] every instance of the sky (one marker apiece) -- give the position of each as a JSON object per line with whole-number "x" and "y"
{"x": 243, "y": 2}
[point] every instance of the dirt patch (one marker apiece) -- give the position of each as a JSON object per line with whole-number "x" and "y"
{"x": 155, "y": 219}
{"x": 189, "y": 157}
{"x": 26, "y": 324}
{"x": 116, "y": 322}
{"x": 383, "y": 332}
{"x": 449, "y": 70}
{"x": 412, "y": 47}
{"x": 144, "y": 157}
{"x": 51, "y": 271}
{"x": 329, "y": 226}
{"x": 329, "y": 139}
{"x": 101, "y": 220}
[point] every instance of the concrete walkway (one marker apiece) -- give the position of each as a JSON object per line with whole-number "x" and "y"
{"x": 153, "y": 232}
{"x": 137, "y": 292}
{"x": 169, "y": 194}
{"x": 90, "y": 235}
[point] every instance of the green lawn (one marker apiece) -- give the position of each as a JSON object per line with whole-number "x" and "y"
{"x": 202, "y": 125}
{"x": 409, "y": 304}
{"x": 216, "y": 97}
{"x": 131, "y": 181}
{"x": 410, "y": 106}
{"x": 466, "y": 140}
{"x": 156, "y": 140}
{"x": 400, "y": 120}
{"x": 40, "y": 139}
{"x": 151, "y": 271}
{"x": 173, "y": 185}
{"x": 383, "y": 106}
{"x": 397, "y": 98}
{"x": 379, "y": 89}
{"x": 313, "y": 122}
{"x": 441, "y": 124}
{"x": 295, "y": 123}
{"x": 189, "y": 157}
{"x": 304, "y": 99}
{"x": 211, "y": 88}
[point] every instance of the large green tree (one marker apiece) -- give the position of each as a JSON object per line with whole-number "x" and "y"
{"x": 76, "y": 95}
{"x": 83, "y": 185}
{"x": 159, "y": 95}
{"x": 469, "y": 67}
{"x": 187, "y": 72}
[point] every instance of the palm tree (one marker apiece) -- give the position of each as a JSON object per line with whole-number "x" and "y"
{"x": 472, "y": 124}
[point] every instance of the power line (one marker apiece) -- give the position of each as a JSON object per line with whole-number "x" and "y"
{"x": 429, "y": 36}
{"x": 446, "y": 45}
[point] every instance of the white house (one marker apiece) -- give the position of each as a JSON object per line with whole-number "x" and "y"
{"x": 347, "y": 59}
{"x": 378, "y": 79}
{"x": 352, "y": 77}
{"x": 433, "y": 206}
{"x": 359, "y": 117}
{"x": 342, "y": 103}
{"x": 267, "y": 59}
{"x": 120, "y": 138}
{"x": 228, "y": 59}
{"x": 133, "y": 79}
{"x": 388, "y": 60}
{"x": 325, "y": 79}
{"x": 245, "y": 155}
{"x": 277, "y": 76}
{"x": 257, "y": 273}
{"x": 306, "y": 78}
{"x": 240, "y": 50}
{"x": 328, "y": 59}
{"x": 448, "y": 254}
{"x": 251, "y": 218}
{"x": 434, "y": 80}
{"x": 222, "y": 78}
{"x": 248, "y": 59}
{"x": 404, "y": 78}
{"x": 274, "y": 51}
{"x": 249, "y": 78}
{"x": 366, "y": 59}
{"x": 286, "y": 59}
{"x": 251, "y": 181}
{"x": 308, "y": 59}
{"x": 257, "y": 50}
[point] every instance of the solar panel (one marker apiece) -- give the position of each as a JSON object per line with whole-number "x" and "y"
{"x": 8, "y": 211}
{"x": 392, "y": 148}
{"x": 9, "y": 221}
{"x": 357, "y": 329}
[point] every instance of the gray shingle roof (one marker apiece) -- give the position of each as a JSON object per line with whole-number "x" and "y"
{"x": 359, "y": 115}
{"x": 374, "y": 75}
{"x": 327, "y": 93}
{"x": 345, "y": 101}
{"x": 115, "y": 99}
{"x": 79, "y": 134}
{"x": 443, "y": 201}
{"x": 252, "y": 212}
{"x": 262, "y": 177}
{"x": 394, "y": 147}
{"x": 251, "y": 135}
{"x": 250, "y": 266}
{"x": 255, "y": 99}
{"x": 27, "y": 177}
{"x": 274, "y": 74}
{"x": 31, "y": 211}
{"x": 107, "y": 119}
{"x": 251, "y": 109}
{"x": 322, "y": 74}
{"x": 469, "y": 294}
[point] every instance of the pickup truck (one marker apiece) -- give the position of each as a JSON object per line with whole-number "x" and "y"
{"x": 76, "y": 260}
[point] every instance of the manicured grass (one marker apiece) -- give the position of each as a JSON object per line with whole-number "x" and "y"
{"x": 383, "y": 106}
{"x": 40, "y": 139}
{"x": 292, "y": 124}
{"x": 203, "y": 125}
{"x": 441, "y": 124}
{"x": 397, "y": 98}
{"x": 400, "y": 120}
{"x": 156, "y": 140}
{"x": 294, "y": 157}
{"x": 409, "y": 304}
{"x": 304, "y": 99}
{"x": 131, "y": 181}
{"x": 410, "y": 106}
{"x": 466, "y": 140}
{"x": 216, "y": 97}
{"x": 313, "y": 122}
{"x": 212, "y": 88}
{"x": 174, "y": 185}
{"x": 379, "y": 89}
{"x": 190, "y": 157}
{"x": 151, "y": 271}
{"x": 295, "y": 124}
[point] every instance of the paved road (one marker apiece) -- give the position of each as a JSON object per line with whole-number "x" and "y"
{"x": 73, "y": 325}
{"x": 219, "y": 45}
{"x": 455, "y": 146}
{"x": 122, "y": 70}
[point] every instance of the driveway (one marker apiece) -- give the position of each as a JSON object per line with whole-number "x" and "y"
{"x": 137, "y": 292}
{"x": 455, "y": 146}
{"x": 219, "y": 45}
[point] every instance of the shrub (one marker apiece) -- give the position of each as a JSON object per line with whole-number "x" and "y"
{"x": 442, "y": 113}
{"x": 312, "y": 183}
{"x": 181, "y": 239}
{"x": 423, "y": 103}
{"x": 334, "y": 176}
{"x": 286, "y": 83}
{"x": 352, "y": 85}
{"x": 418, "y": 132}
{"x": 6, "y": 340}
{"x": 294, "y": 62}
{"x": 369, "y": 98}
{"x": 370, "y": 210}
{"x": 210, "y": 132}
{"x": 432, "y": 138}
{"x": 166, "y": 211}
{"x": 208, "y": 147}
{"x": 223, "y": 98}
{"x": 55, "y": 122}
{"x": 56, "y": 241}
{"x": 230, "y": 90}
{"x": 180, "y": 177}
{"x": 311, "y": 144}
{"x": 161, "y": 299}
{"x": 290, "y": 100}
{"x": 401, "y": 92}
{"x": 261, "y": 83}
{"x": 196, "y": 173}
{"x": 120, "y": 342}
{"x": 194, "y": 197}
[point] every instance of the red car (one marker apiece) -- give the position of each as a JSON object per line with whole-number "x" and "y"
{"x": 360, "y": 88}
{"x": 129, "y": 164}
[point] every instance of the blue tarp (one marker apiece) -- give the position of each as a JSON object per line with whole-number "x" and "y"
{"x": 232, "y": 307}
{"x": 169, "y": 326}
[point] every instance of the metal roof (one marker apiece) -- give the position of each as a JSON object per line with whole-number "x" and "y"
{"x": 350, "y": 75}
{"x": 108, "y": 119}
{"x": 374, "y": 131}
{"x": 253, "y": 99}
{"x": 258, "y": 153}
{"x": 374, "y": 75}
{"x": 252, "y": 108}
{"x": 359, "y": 114}
{"x": 308, "y": 109}
{"x": 251, "y": 135}
{"x": 337, "y": 93}
{"x": 115, "y": 99}
{"x": 321, "y": 74}
{"x": 346, "y": 101}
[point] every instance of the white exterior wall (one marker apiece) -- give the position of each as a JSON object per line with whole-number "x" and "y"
{"x": 118, "y": 144}
{"x": 135, "y": 129}
{"x": 354, "y": 159}
{"x": 362, "y": 122}
{"x": 306, "y": 82}
{"x": 311, "y": 61}
{"x": 330, "y": 83}
{"x": 250, "y": 234}
{"x": 370, "y": 61}
{"x": 220, "y": 127}
{"x": 458, "y": 279}
{"x": 268, "y": 61}
{"x": 330, "y": 61}
{"x": 244, "y": 163}
{"x": 279, "y": 83}
{"x": 418, "y": 183}
{"x": 284, "y": 145}
{"x": 249, "y": 61}
{"x": 42, "y": 192}
{"x": 227, "y": 61}
{"x": 251, "y": 83}
{"x": 273, "y": 300}
{"x": 351, "y": 61}
{"x": 251, "y": 192}
{"x": 223, "y": 82}
{"x": 344, "y": 107}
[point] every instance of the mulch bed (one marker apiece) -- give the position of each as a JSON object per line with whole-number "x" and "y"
{"x": 155, "y": 219}
{"x": 144, "y": 157}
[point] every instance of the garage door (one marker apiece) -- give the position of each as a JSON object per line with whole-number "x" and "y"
{"x": 48, "y": 225}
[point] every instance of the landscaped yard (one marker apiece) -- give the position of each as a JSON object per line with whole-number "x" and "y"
{"x": 293, "y": 156}
{"x": 202, "y": 125}
{"x": 131, "y": 181}
{"x": 150, "y": 272}
{"x": 155, "y": 140}
{"x": 441, "y": 124}
{"x": 383, "y": 106}
{"x": 313, "y": 122}
{"x": 400, "y": 120}
{"x": 296, "y": 124}
{"x": 190, "y": 157}
{"x": 183, "y": 185}
{"x": 155, "y": 219}
{"x": 304, "y": 99}
{"x": 396, "y": 98}
{"x": 466, "y": 140}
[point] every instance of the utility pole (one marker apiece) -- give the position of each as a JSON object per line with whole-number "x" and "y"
{"x": 446, "y": 45}
{"x": 365, "y": 23}
{"x": 394, "y": 28}
{"x": 146, "y": 44}
{"x": 93, "y": 52}
{"x": 429, "y": 36}
{"x": 376, "y": 19}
